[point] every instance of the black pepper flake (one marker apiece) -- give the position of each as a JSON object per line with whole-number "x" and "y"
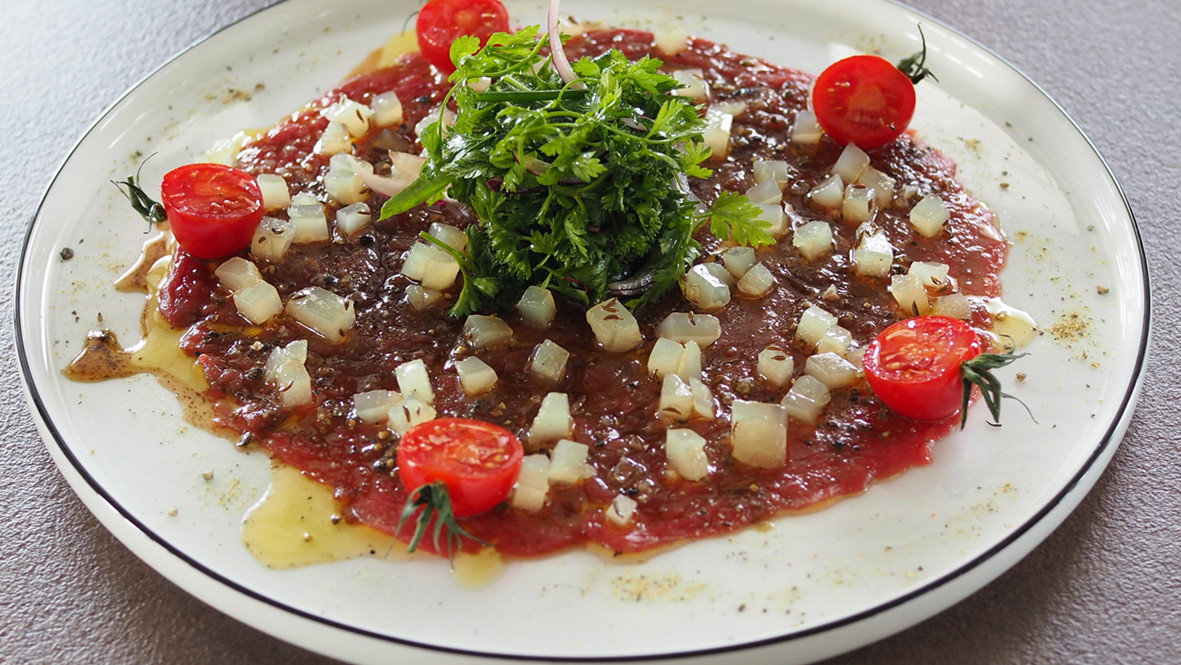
{"x": 66, "y": 254}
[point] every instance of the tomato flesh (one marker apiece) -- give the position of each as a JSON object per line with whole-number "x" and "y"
{"x": 477, "y": 461}
{"x": 864, "y": 100}
{"x": 914, "y": 365}
{"x": 441, "y": 22}
{"x": 212, "y": 209}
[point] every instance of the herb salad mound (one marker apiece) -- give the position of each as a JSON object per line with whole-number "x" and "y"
{"x": 673, "y": 333}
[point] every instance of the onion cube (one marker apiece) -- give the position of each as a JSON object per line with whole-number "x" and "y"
{"x": 690, "y": 364}
{"x": 703, "y": 399}
{"x": 614, "y": 326}
{"x": 910, "y": 294}
{"x": 408, "y": 413}
{"x": 537, "y": 307}
{"x": 449, "y": 235}
{"x": 621, "y": 510}
{"x": 447, "y": 116}
{"x": 275, "y": 194}
{"x": 835, "y": 340}
{"x": 285, "y": 371}
{"x": 757, "y": 281}
{"x": 671, "y": 41}
{"x": 831, "y": 369}
{"x": 929, "y": 215}
{"x": 310, "y": 223}
{"x": 532, "y": 483}
{"x": 329, "y": 315}
{"x": 258, "y": 301}
{"x": 806, "y": 130}
{"x": 475, "y": 375}
{"x": 702, "y": 288}
{"x": 932, "y": 275}
{"x": 334, "y": 140}
{"x": 685, "y": 450}
{"x": 676, "y": 399}
{"x": 567, "y": 462}
{"x": 705, "y": 329}
{"x": 486, "y": 332}
{"x": 422, "y": 298}
{"x": 693, "y": 83}
{"x": 851, "y": 163}
{"x": 414, "y": 381}
{"x": 806, "y": 399}
{"x": 374, "y": 405}
{"x": 954, "y": 305}
{"x": 770, "y": 169}
{"x": 353, "y": 218}
{"x": 766, "y": 191}
{"x": 738, "y": 260}
{"x": 775, "y": 365}
{"x": 881, "y": 184}
{"x": 874, "y": 255}
{"x": 813, "y": 240}
{"x": 813, "y": 323}
{"x": 775, "y": 217}
{"x": 355, "y": 117}
{"x": 548, "y": 361}
{"x": 552, "y": 421}
{"x": 665, "y": 357}
{"x": 272, "y": 239}
{"x": 716, "y": 134}
{"x": 829, "y": 193}
{"x": 430, "y": 266}
{"x": 237, "y": 273}
{"x": 387, "y": 109}
{"x": 859, "y": 204}
{"x": 758, "y": 434}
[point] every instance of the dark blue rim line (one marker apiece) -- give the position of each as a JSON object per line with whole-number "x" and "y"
{"x": 1109, "y": 438}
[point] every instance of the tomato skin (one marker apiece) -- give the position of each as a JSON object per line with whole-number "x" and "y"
{"x": 864, "y": 100}
{"x": 440, "y": 22}
{"x": 477, "y": 461}
{"x": 212, "y": 209}
{"x": 914, "y": 365}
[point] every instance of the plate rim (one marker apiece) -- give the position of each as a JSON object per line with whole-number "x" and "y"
{"x": 1103, "y": 448}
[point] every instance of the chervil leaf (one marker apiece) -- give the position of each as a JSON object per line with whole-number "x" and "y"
{"x": 733, "y": 217}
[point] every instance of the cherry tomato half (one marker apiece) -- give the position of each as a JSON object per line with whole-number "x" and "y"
{"x": 440, "y": 22}
{"x": 864, "y": 100}
{"x": 477, "y": 461}
{"x": 914, "y": 365}
{"x": 212, "y": 209}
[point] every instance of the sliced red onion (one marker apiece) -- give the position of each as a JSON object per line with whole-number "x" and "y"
{"x": 405, "y": 168}
{"x": 555, "y": 45}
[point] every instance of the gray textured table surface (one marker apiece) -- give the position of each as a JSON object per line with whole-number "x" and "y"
{"x": 1104, "y": 588}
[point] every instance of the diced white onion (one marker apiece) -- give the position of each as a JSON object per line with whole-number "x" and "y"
{"x": 757, "y": 281}
{"x": 702, "y": 288}
{"x": 272, "y": 239}
{"x": 614, "y": 326}
{"x": 621, "y": 510}
{"x": 814, "y": 322}
{"x": 408, "y": 413}
{"x": 932, "y": 275}
{"x": 567, "y": 462}
{"x": 548, "y": 361}
{"x": 694, "y": 82}
{"x": 851, "y": 163}
{"x": 829, "y": 193}
{"x": 430, "y": 266}
{"x": 881, "y": 184}
{"x": 910, "y": 294}
{"x": 552, "y": 421}
{"x": 335, "y": 139}
{"x": 954, "y": 305}
{"x": 703, "y": 399}
{"x": 813, "y": 240}
{"x": 537, "y": 307}
{"x": 258, "y": 302}
{"x": 766, "y": 191}
{"x": 353, "y": 115}
{"x": 285, "y": 371}
{"x": 665, "y": 357}
{"x": 486, "y": 332}
{"x": 738, "y": 260}
{"x": 422, "y": 298}
{"x": 685, "y": 450}
{"x": 874, "y": 255}
{"x": 831, "y": 369}
{"x": 835, "y": 340}
{"x": 343, "y": 181}
{"x": 237, "y": 273}
{"x": 770, "y": 169}
{"x": 353, "y": 219}
{"x": 414, "y": 380}
{"x": 373, "y": 406}
{"x": 676, "y": 399}
{"x": 859, "y": 204}
{"x": 758, "y": 434}
{"x": 449, "y": 235}
{"x": 775, "y": 217}
{"x": 671, "y": 41}
{"x": 716, "y": 134}
{"x": 690, "y": 366}
{"x": 475, "y": 375}
{"x": 329, "y": 315}
{"x": 387, "y": 109}
{"x": 447, "y": 116}
{"x": 806, "y": 399}
{"x": 304, "y": 199}
{"x": 532, "y": 483}
{"x": 275, "y": 194}
{"x": 310, "y": 223}
{"x": 224, "y": 151}
{"x": 806, "y": 130}
{"x": 705, "y": 329}
{"x": 717, "y": 269}
{"x": 929, "y": 215}
{"x": 775, "y": 366}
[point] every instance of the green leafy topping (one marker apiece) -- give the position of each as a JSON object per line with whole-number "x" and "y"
{"x": 915, "y": 66}
{"x": 978, "y": 372}
{"x": 434, "y": 501}
{"x": 149, "y": 209}
{"x": 577, "y": 185}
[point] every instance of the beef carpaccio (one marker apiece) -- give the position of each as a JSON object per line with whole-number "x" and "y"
{"x": 614, "y": 399}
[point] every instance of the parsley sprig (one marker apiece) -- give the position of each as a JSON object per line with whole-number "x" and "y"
{"x": 576, "y": 184}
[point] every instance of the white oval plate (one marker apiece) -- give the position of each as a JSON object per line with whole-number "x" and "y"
{"x": 811, "y": 586}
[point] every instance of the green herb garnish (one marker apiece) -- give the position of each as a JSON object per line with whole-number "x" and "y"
{"x": 577, "y": 185}
{"x": 430, "y": 507}
{"x": 978, "y": 372}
